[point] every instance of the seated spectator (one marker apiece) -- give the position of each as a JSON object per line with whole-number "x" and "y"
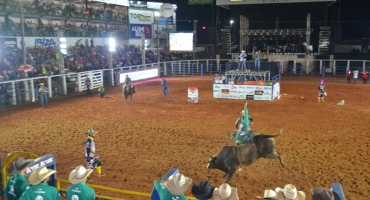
{"x": 289, "y": 192}
{"x": 79, "y": 189}
{"x": 268, "y": 195}
{"x": 225, "y": 192}
{"x": 320, "y": 193}
{"x": 203, "y": 190}
{"x": 173, "y": 188}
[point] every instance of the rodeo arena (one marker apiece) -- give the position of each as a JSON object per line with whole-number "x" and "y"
{"x": 105, "y": 99}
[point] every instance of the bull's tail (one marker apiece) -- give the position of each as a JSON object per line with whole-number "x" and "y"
{"x": 271, "y": 136}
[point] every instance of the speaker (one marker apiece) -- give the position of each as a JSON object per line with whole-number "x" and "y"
{"x": 337, "y": 33}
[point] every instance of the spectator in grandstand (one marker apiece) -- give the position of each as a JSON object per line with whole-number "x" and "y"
{"x": 349, "y": 75}
{"x": 101, "y": 91}
{"x": 165, "y": 87}
{"x": 36, "y": 87}
{"x": 225, "y": 192}
{"x": 87, "y": 85}
{"x": 173, "y": 188}
{"x": 40, "y": 189}
{"x": 289, "y": 192}
{"x": 355, "y": 76}
{"x": 257, "y": 61}
{"x": 17, "y": 184}
{"x": 43, "y": 91}
{"x": 92, "y": 158}
{"x": 365, "y": 76}
{"x": 203, "y": 190}
{"x": 79, "y": 189}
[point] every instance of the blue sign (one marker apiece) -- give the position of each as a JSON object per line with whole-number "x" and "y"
{"x": 47, "y": 161}
{"x": 44, "y": 42}
{"x": 137, "y": 29}
{"x": 163, "y": 20}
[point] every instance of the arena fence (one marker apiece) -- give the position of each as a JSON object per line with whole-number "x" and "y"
{"x": 12, "y": 156}
{"x": 24, "y": 90}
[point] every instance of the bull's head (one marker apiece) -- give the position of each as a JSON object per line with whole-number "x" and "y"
{"x": 211, "y": 162}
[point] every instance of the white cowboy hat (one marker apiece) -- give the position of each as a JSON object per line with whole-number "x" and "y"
{"x": 269, "y": 194}
{"x": 290, "y": 192}
{"x": 242, "y": 51}
{"x": 78, "y": 174}
{"x": 225, "y": 192}
{"x": 19, "y": 165}
{"x": 40, "y": 174}
{"x": 178, "y": 184}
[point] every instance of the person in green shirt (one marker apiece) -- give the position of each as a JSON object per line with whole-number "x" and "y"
{"x": 79, "y": 190}
{"x": 40, "y": 189}
{"x": 173, "y": 188}
{"x": 17, "y": 184}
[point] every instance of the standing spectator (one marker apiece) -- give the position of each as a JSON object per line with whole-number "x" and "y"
{"x": 92, "y": 42}
{"x": 101, "y": 91}
{"x": 92, "y": 158}
{"x": 43, "y": 91}
{"x": 40, "y": 188}
{"x": 165, "y": 87}
{"x": 87, "y": 43}
{"x": 348, "y": 75}
{"x": 365, "y": 76}
{"x": 1, "y": 96}
{"x": 79, "y": 189}
{"x": 56, "y": 88}
{"x": 257, "y": 61}
{"x": 17, "y": 184}
{"x": 88, "y": 84}
{"x": 355, "y": 76}
{"x": 36, "y": 87}
{"x": 9, "y": 92}
{"x": 242, "y": 61}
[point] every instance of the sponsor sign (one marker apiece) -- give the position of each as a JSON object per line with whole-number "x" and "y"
{"x": 225, "y": 91}
{"x": 136, "y": 30}
{"x": 200, "y": 2}
{"x": 193, "y": 95}
{"x": 276, "y": 90}
{"x": 115, "y": 2}
{"x": 8, "y": 42}
{"x": 258, "y": 92}
{"x": 163, "y": 20}
{"x": 138, "y": 4}
{"x": 157, "y": 6}
{"x": 140, "y": 16}
{"x": 162, "y": 30}
{"x": 166, "y": 10}
{"x": 139, "y": 75}
{"x": 258, "y": 97}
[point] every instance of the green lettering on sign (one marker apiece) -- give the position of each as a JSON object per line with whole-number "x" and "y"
{"x": 200, "y": 2}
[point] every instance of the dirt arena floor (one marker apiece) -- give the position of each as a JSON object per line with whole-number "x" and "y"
{"x": 322, "y": 143}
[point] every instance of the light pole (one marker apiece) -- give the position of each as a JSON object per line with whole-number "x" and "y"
{"x": 157, "y": 15}
{"x": 112, "y": 48}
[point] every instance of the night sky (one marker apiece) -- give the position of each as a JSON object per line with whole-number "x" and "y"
{"x": 354, "y": 16}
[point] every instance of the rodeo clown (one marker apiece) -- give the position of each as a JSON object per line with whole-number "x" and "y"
{"x": 321, "y": 90}
{"x": 92, "y": 158}
{"x": 243, "y": 124}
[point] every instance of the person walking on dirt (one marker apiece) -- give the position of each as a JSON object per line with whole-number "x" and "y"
{"x": 321, "y": 90}
{"x": 92, "y": 158}
{"x": 165, "y": 87}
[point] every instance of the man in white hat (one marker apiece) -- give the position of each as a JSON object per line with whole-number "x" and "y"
{"x": 242, "y": 60}
{"x": 268, "y": 195}
{"x": 79, "y": 189}
{"x": 17, "y": 184}
{"x": 225, "y": 192}
{"x": 173, "y": 188}
{"x": 40, "y": 188}
{"x": 289, "y": 192}
{"x": 43, "y": 91}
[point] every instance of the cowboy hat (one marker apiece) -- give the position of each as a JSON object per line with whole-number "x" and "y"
{"x": 40, "y": 174}
{"x": 242, "y": 51}
{"x": 91, "y": 131}
{"x": 41, "y": 83}
{"x": 77, "y": 175}
{"x": 202, "y": 190}
{"x": 178, "y": 184}
{"x": 290, "y": 192}
{"x": 320, "y": 193}
{"x": 19, "y": 165}
{"x": 225, "y": 192}
{"x": 269, "y": 194}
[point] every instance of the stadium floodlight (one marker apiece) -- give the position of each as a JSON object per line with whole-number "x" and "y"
{"x": 63, "y": 51}
{"x": 112, "y": 44}
{"x": 62, "y": 40}
{"x": 231, "y": 22}
{"x": 63, "y": 45}
{"x": 157, "y": 14}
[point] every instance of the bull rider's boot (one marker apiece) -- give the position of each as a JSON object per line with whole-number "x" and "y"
{"x": 100, "y": 174}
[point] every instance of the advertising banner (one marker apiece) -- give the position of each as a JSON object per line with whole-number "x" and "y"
{"x": 200, "y": 2}
{"x": 163, "y": 20}
{"x": 137, "y": 29}
{"x": 276, "y": 90}
{"x": 139, "y": 75}
{"x": 8, "y": 42}
{"x": 242, "y": 92}
{"x": 115, "y": 2}
{"x": 140, "y": 16}
{"x": 162, "y": 31}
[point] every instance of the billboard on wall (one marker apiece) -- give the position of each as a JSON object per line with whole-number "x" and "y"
{"x": 254, "y": 92}
{"x": 163, "y": 20}
{"x": 139, "y": 75}
{"x": 137, "y": 29}
{"x": 200, "y": 2}
{"x": 8, "y": 42}
{"x": 181, "y": 41}
{"x": 162, "y": 31}
{"x": 140, "y": 16}
{"x": 115, "y": 2}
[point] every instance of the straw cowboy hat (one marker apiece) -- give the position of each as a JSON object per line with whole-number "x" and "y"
{"x": 242, "y": 51}
{"x": 269, "y": 194}
{"x": 320, "y": 193}
{"x": 178, "y": 184}
{"x": 290, "y": 192}
{"x": 41, "y": 83}
{"x": 77, "y": 175}
{"x": 19, "y": 165}
{"x": 40, "y": 174}
{"x": 203, "y": 190}
{"x": 225, "y": 192}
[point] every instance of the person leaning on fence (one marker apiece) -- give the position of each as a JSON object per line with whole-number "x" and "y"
{"x": 348, "y": 75}
{"x": 43, "y": 91}
{"x": 40, "y": 188}
{"x": 88, "y": 84}
{"x": 17, "y": 184}
{"x": 355, "y": 76}
{"x": 365, "y": 76}
{"x": 101, "y": 91}
{"x": 79, "y": 189}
